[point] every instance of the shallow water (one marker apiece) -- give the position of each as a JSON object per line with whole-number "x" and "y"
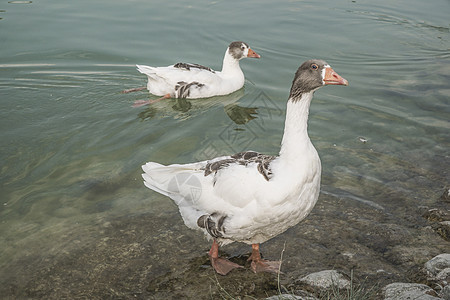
{"x": 72, "y": 145}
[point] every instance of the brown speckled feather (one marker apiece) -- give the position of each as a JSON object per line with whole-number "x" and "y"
{"x": 244, "y": 158}
{"x": 188, "y": 67}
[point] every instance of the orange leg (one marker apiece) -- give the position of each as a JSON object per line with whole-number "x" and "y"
{"x": 134, "y": 90}
{"x": 262, "y": 265}
{"x": 221, "y": 265}
{"x": 140, "y": 103}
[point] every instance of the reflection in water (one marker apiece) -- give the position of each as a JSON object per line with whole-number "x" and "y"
{"x": 238, "y": 114}
{"x": 149, "y": 113}
{"x": 182, "y": 105}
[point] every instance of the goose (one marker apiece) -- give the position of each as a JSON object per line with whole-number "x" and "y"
{"x": 251, "y": 197}
{"x": 186, "y": 80}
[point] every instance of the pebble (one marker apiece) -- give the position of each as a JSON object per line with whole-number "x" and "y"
{"x": 362, "y": 139}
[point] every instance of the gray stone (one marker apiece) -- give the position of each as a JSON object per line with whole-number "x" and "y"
{"x": 408, "y": 291}
{"x": 290, "y": 297}
{"x": 445, "y": 293}
{"x": 446, "y": 195}
{"x": 326, "y": 279}
{"x": 443, "y": 229}
{"x": 438, "y": 263}
{"x": 443, "y": 276}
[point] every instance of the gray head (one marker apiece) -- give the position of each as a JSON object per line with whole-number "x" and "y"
{"x": 239, "y": 50}
{"x": 313, "y": 74}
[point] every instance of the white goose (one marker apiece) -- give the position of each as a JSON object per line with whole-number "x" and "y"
{"x": 251, "y": 197}
{"x": 185, "y": 80}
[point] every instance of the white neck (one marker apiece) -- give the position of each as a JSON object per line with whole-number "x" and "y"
{"x": 295, "y": 138}
{"x": 231, "y": 66}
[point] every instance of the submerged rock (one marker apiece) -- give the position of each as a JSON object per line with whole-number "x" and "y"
{"x": 408, "y": 291}
{"x": 446, "y": 195}
{"x": 437, "y": 215}
{"x": 443, "y": 229}
{"x": 441, "y": 221}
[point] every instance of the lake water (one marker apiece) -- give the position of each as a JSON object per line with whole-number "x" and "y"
{"x": 72, "y": 145}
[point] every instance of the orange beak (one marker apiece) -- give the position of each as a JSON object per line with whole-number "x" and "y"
{"x": 331, "y": 77}
{"x": 252, "y": 53}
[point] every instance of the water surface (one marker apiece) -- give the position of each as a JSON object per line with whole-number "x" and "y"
{"x": 72, "y": 145}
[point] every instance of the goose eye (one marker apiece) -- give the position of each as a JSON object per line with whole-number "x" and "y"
{"x": 314, "y": 66}
{"x": 243, "y": 48}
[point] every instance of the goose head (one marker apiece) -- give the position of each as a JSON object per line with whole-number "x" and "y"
{"x": 313, "y": 74}
{"x": 240, "y": 50}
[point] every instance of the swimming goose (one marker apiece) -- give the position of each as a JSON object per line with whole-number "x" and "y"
{"x": 251, "y": 197}
{"x": 185, "y": 80}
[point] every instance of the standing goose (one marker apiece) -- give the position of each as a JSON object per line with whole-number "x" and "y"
{"x": 251, "y": 197}
{"x": 185, "y": 80}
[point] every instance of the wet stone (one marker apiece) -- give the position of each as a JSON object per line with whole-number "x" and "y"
{"x": 382, "y": 236}
{"x": 440, "y": 219}
{"x": 446, "y": 195}
{"x": 438, "y": 274}
{"x": 438, "y": 263}
{"x": 439, "y": 267}
{"x": 325, "y": 280}
{"x": 445, "y": 293}
{"x": 443, "y": 229}
{"x": 408, "y": 291}
{"x": 291, "y": 297}
{"x": 443, "y": 276}
{"x": 437, "y": 215}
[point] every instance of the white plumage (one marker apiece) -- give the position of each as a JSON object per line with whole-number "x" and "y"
{"x": 251, "y": 197}
{"x": 185, "y": 80}
{"x": 256, "y": 209}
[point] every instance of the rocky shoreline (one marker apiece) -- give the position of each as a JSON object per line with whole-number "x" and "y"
{"x": 154, "y": 256}
{"x": 331, "y": 284}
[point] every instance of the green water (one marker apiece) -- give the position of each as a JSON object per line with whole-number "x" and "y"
{"x": 72, "y": 145}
